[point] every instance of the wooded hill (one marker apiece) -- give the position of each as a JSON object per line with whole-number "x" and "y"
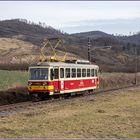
{"x": 120, "y": 56}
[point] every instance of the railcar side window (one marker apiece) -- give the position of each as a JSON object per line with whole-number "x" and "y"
{"x": 67, "y": 72}
{"x": 56, "y": 73}
{"x": 73, "y": 72}
{"x": 61, "y": 72}
{"x": 88, "y": 72}
{"x": 83, "y": 72}
{"x": 78, "y": 72}
{"x": 92, "y": 72}
{"x": 52, "y": 74}
{"x": 96, "y": 73}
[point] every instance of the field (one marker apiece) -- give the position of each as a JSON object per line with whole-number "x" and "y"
{"x": 12, "y": 79}
{"x": 114, "y": 115}
{"x": 13, "y": 86}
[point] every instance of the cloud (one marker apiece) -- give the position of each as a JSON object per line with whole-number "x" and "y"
{"x": 87, "y": 15}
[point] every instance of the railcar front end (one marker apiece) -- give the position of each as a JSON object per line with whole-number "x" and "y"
{"x": 38, "y": 83}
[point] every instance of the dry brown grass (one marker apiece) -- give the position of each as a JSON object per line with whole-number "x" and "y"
{"x": 17, "y": 51}
{"x": 8, "y": 43}
{"x": 103, "y": 115}
{"x": 111, "y": 80}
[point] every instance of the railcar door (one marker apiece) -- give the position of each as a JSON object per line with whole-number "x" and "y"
{"x": 56, "y": 80}
{"x": 61, "y": 80}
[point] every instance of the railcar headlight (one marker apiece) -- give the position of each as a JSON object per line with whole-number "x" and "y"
{"x": 45, "y": 83}
{"x": 29, "y": 83}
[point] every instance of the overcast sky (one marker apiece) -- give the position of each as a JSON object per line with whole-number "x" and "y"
{"x": 71, "y": 16}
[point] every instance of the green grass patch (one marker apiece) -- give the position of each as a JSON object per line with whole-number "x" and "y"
{"x": 103, "y": 115}
{"x": 12, "y": 79}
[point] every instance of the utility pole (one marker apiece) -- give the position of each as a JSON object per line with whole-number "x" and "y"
{"x": 89, "y": 45}
{"x": 136, "y": 64}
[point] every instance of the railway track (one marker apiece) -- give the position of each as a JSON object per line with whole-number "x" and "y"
{"x": 6, "y": 110}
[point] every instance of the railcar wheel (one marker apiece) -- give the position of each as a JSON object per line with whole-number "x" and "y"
{"x": 43, "y": 96}
{"x": 90, "y": 91}
{"x": 34, "y": 97}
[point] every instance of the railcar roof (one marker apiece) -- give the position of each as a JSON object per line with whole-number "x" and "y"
{"x": 61, "y": 64}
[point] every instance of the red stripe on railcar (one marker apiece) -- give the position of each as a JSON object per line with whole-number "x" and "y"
{"x": 74, "y": 84}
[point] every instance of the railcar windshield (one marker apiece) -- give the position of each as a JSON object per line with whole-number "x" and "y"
{"x": 38, "y": 74}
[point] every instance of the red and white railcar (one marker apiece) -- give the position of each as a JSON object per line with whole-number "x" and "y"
{"x": 50, "y": 78}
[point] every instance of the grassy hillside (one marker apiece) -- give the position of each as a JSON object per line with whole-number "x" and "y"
{"x": 21, "y": 53}
{"x": 14, "y": 51}
{"x": 104, "y": 115}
